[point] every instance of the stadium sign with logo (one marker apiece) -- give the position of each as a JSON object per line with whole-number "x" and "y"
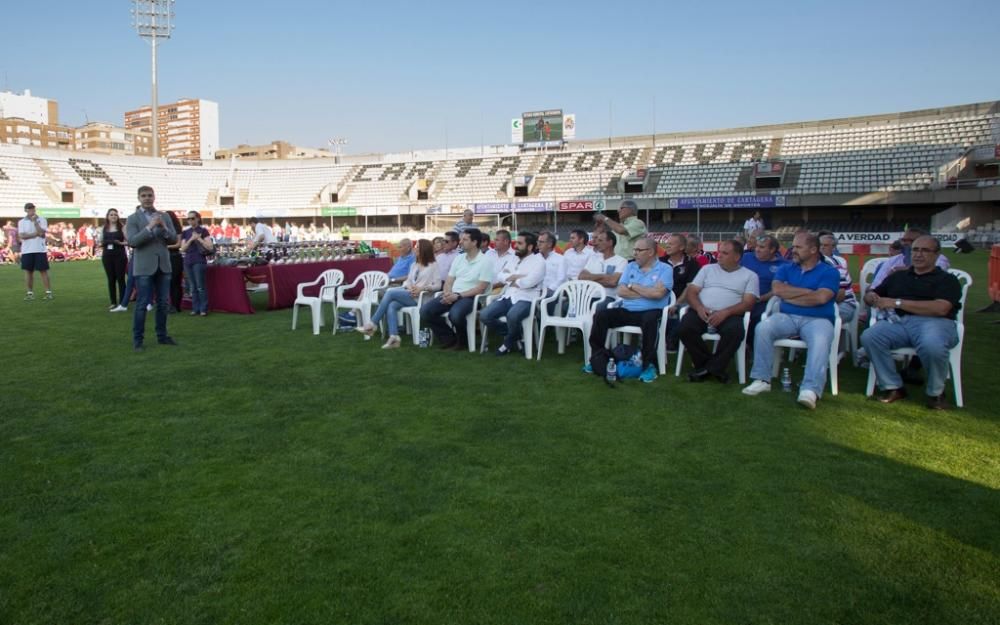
{"x": 59, "y": 212}
{"x": 507, "y": 207}
{"x": 868, "y": 237}
{"x": 728, "y": 201}
{"x": 577, "y": 206}
{"x": 339, "y": 211}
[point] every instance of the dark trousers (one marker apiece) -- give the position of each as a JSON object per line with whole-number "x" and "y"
{"x": 176, "y": 280}
{"x": 158, "y": 283}
{"x": 692, "y": 327}
{"x": 114, "y": 269}
{"x": 431, "y": 315}
{"x": 647, "y": 320}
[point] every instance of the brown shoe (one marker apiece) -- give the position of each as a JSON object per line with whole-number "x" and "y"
{"x": 892, "y": 395}
{"x": 936, "y": 402}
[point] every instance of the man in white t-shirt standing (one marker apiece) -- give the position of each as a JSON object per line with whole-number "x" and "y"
{"x": 31, "y": 232}
{"x": 754, "y": 225}
{"x": 577, "y": 254}
{"x": 263, "y": 236}
{"x": 718, "y": 297}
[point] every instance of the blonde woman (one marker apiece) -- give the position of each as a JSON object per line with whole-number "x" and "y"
{"x": 423, "y": 276}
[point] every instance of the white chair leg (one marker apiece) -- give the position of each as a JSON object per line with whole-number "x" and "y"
{"x": 314, "y": 309}
{"x": 470, "y": 334}
{"x": 680, "y": 359}
{"x": 870, "y": 387}
{"x": 541, "y": 342}
{"x": 741, "y": 363}
{"x": 336, "y": 319}
{"x": 956, "y": 376}
{"x": 834, "y": 361}
{"x": 295, "y": 315}
{"x": 528, "y": 331}
{"x": 560, "y": 340}
{"x": 661, "y": 354}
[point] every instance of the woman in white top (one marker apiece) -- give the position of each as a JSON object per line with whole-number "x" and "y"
{"x": 423, "y": 277}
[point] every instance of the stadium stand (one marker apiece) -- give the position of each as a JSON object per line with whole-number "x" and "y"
{"x": 906, "y": 152}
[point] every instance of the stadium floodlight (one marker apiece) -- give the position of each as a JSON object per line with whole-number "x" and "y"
{"x": 338, "y": 143}
{"x": 153, "y": 20}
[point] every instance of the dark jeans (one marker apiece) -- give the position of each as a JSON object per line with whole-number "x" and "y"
{"x": 431, "y": 315}
{"x": 114, "y": 269}
{"x": 161, "y": 283}
{"x": 647, "y": 320}
{"x": 692, "y": 327}
{"x": 129, "y": 288}
{"x": 176, "y": 279}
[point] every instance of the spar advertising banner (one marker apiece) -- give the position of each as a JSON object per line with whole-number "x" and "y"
{"x": 728, "y": 201}
{"x": 517, "y": 207}
{"x": 577, "y": 206}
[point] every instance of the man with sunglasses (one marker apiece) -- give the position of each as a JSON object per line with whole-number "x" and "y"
{"x": 901, "y": 262}
{"x": 645, "y": 289}
{"x": 926, "y": 299}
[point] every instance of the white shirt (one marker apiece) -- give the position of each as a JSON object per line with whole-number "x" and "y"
{"x": 576, "y": 261}
{"x": 607, "y": 266}
{"x": 753, "y": 225}
{"x": 37, "y": 244}
{"x": 263, "y": 229}
{"x": 531, "y": 268}
{"x": 444, "y": 261}
{"x": 504, "y": 264}
{"x": 722, "y": 289}
{"x": 555, "y": 271}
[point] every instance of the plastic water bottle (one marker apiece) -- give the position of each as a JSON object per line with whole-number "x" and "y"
{"x": 611, "y": 373}
{"x": 786, "y": 380}
{"x": 709, "y": 328}
{"x": 425, "y": 339}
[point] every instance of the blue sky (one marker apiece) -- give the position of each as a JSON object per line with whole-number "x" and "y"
{"x": 403, "y": 75}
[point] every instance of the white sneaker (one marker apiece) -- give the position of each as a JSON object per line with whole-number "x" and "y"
{"x": 118, "y": 308}
{"x": 149, "y": 307}
{"x": 393, "y": 343}
{"x": 808, "y": 399}
{"x": 758, "y": 387}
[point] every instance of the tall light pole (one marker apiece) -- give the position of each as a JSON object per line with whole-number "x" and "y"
{"x": 153, "y": 20}
{"x": 338, "y": 143}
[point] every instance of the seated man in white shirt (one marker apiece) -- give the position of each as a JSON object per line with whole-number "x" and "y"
{"x": 448, "y": 254}
{"x": 604, "y": 266}
{"x": 718, "y": 297}
{"x": 504, "y": 259}
{"x": 577, "y": 254}
{"x": 555, "y": 263}
{"x": 523, "y": 285}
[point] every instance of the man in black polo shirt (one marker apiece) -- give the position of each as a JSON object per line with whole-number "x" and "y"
{"x": 685, "y": 268}
{"x": 920, "y": 305}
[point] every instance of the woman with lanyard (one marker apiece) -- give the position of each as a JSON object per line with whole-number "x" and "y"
{"x": 113, "y": 255}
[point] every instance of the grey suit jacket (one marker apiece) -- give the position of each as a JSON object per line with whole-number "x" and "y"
{"x": 150, "y": 246}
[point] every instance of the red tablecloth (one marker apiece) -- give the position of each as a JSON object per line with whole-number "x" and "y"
{"x": 227, "y": 288}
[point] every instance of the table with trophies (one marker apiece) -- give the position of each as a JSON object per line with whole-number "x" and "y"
{"x": 282, "y": 267}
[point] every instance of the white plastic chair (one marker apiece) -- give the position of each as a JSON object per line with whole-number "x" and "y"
{"x": 793, "y": 344}
{"x": 582, "y": 297}
{"x": 528, "y": 329}
{"x": 470, "y": 319}
{"x": 409, "y": 316}
{"x": 741, "y": 353}
{"x": 624, "y": 333}
{"x": 853, "y": 327}
{"x": 328, "y": 282}
{"x": 370, "y": 283}
{"x": 954, "y": 354}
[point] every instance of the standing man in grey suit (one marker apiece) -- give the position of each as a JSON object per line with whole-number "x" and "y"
{"x": 149, "y": 233}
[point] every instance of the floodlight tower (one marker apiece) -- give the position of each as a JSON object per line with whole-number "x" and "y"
{"x": 338, "y": 143}
{"x": 153, "y": 20}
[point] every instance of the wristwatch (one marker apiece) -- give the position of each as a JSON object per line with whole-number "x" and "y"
{"x": 898, "y": 303}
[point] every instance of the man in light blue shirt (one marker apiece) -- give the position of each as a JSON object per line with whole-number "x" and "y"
{"x": 401, "y": 268}
{"x": 645, "y": 290}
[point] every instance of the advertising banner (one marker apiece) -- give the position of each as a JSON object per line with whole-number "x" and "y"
{"x": 517, "y": 207}
{"x": 577, "y": 206}
{"x": 339, "y": 211}
{"x": 728, "y": 201}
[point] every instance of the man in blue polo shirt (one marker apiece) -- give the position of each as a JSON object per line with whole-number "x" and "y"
{"x": 401, "y": 268}
{"x": 764, "y": 260}
{"x": 807, "y": 288}
{"x": 645, "y": 289}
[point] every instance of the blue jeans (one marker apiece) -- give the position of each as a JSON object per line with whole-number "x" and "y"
{"x": 392, "y": 301}
{"x": 195, "y": 275}
{"x": 159, "y": 281}
{"x": 816, "y": 332}
{"x": 515, "y": 313}
{"x": 129, "y": 287}
{"x": 431, "y": 316}
{"x": 932, "y": 337}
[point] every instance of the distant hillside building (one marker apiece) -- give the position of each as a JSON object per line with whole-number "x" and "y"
{"x": 276, "y": 150}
